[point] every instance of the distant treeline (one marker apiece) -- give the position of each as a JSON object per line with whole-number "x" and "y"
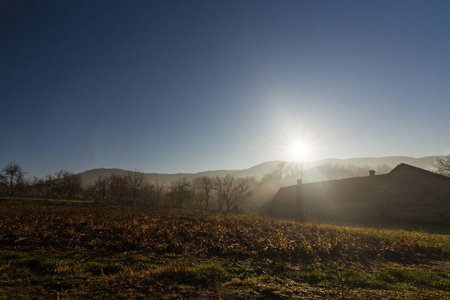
{"x": 222, "y": 193}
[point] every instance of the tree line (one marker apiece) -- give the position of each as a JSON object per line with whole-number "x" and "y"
{"x": 223, "y": 193}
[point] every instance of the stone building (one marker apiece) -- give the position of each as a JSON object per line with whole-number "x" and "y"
{"x": 406, "y": 194}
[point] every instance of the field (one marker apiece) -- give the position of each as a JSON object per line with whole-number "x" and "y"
{"x": 80, "y": 252}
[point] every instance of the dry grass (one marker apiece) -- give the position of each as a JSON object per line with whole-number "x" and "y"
{"x": 88, "y": 252}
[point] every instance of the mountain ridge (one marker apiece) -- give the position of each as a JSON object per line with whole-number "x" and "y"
{"x": 259, "y": 170}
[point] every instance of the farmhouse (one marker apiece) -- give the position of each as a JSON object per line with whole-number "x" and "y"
{"x": 406, "y": 194}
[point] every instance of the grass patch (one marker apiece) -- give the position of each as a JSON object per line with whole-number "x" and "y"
{"x": 416, "y": 278}
{"x": 211, "y": 275}
{"x": 106, "y": 268}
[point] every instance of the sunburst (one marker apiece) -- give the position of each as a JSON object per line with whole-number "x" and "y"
{"x": 299, "y": 151}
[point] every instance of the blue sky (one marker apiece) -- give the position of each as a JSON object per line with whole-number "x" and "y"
{"x": 189, "y": 86}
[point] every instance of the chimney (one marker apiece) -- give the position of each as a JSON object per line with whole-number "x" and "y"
{"x": 372, "y": 173}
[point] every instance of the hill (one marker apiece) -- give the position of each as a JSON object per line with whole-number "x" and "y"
{"x": 262, "y": 169}
{"x": 257, "y": 171}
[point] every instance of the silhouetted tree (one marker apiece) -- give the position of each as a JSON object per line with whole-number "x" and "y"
{"x": 158, "y": 191}
{"x": 230, "y": 192}
{"x": 118, "y": 189}
{"x": 98, "y": 191}
{"x": 65, "y": 183}
{"x": 136, "y": 185}
{"x": 73, "y": 185}
{"x": 204, "y": 187}
{"x": 442, "y": 165}
{"x": 40, "y": 188}
{"x": 181, "y": 191}
{"x": 55, "y": 183}
{"x": 12, "y": 176}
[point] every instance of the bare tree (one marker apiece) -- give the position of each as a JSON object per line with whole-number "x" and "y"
{"x": 73, "y": 185}
{"x": 157, "y": 192}
{"x": 118, "y": 189}
{"x": 442, "y": 165}
{"x": 136, "y": 185}
{"x": 12, "y": 176}
{"x": 98, "y": 191}
{"x": 204, "y": 187}
{"x": 65, "y": 183}
{"x": 230, "y": 192}
{"x": 55, "y": 182}
{"x": 41, "y": 187}
{"x": 182, "y": 191}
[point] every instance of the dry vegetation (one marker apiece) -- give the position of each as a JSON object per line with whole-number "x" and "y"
{"x": 99, "y": 252}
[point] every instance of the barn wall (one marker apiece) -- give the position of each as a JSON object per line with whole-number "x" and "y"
{"x": 415, "y": 195}
{"x": 407, "y": 194}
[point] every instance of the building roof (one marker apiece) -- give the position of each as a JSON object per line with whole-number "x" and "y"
{"x": 348, "y": 189}
{"x": 403, "y": 166}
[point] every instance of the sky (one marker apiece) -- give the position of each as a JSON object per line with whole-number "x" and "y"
{"x": 190, "y": 86}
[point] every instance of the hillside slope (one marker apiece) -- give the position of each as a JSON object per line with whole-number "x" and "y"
{"x": 262, "y": 169}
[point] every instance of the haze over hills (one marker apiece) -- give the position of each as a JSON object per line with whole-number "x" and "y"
{"x": 262, "y": 169}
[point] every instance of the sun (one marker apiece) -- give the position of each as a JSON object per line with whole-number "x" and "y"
{"x": 299, "y": 151}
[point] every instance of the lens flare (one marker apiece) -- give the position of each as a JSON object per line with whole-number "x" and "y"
{"x": 299, "y": 151}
